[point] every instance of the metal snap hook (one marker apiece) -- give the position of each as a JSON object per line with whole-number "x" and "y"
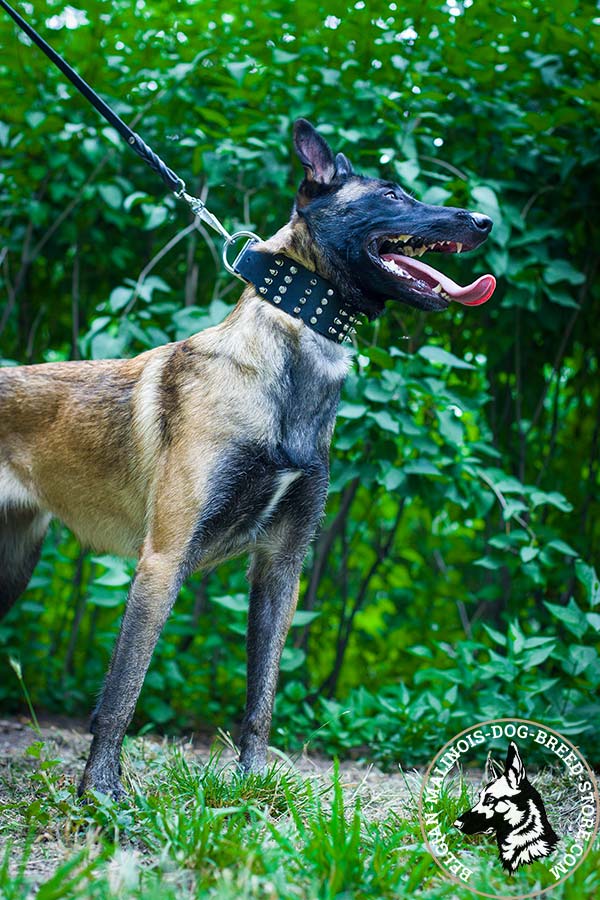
{"x": 253, "y": 238}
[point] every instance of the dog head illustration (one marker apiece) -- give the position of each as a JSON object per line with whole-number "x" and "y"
{"x": 510, "y": 807}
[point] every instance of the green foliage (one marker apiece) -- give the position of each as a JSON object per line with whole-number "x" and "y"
{"x": 451, "y": 577}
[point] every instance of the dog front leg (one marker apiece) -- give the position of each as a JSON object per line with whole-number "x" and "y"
{"x": 273, "y": 598}
{"x": 153, "y": 592}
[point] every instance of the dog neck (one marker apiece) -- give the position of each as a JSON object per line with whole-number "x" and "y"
{"x": 297, "y": 291}
{"x": 257, "y": 336}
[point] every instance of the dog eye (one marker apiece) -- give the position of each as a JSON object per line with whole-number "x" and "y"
{"x": 391, "y": 194}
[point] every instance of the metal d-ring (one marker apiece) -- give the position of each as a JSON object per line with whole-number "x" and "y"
{"x": 229, "y": 243}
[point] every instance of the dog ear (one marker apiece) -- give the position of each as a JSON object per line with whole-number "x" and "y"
{"x": 343, "y": 166}
{"x": 514, "y": 769}
{"x": 314, "y": 153}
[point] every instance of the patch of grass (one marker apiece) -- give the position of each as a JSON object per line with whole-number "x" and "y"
{"x": 203, "y": 831}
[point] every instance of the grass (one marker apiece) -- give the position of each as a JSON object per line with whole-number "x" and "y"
{"x": 203, "y": 831}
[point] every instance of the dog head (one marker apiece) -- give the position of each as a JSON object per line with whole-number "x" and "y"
{"x": 498, "y": 803}
{"x": 511, "y": 808}
{"x": 368, "y": 234}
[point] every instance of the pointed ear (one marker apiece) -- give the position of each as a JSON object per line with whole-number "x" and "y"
{"x": 314, "y": 153}
{"x": 343, "y": 166}
{"x": 514, "y": 769}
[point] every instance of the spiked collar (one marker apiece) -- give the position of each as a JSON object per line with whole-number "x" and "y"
{"x": 297, "y": 291}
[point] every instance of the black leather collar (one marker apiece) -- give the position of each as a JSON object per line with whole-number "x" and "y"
{"x": 297, "y": 291}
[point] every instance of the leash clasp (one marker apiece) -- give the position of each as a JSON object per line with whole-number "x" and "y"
{"x": 199, "y": 209}
{"x": 231, "y": 240}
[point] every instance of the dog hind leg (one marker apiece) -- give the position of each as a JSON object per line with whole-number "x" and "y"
{"x": 22, "y": 531}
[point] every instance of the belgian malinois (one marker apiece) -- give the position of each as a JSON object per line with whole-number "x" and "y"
{"x": 216, "y": 446}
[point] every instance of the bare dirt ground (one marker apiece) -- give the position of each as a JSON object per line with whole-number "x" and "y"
{"x": 380, "y": 792}
{"x": 68, "y": 741}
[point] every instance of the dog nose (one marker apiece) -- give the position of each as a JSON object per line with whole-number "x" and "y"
{"x": 483, "y": 223}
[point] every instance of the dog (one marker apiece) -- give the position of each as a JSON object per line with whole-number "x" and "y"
{"x": 217, "y": 446}
{"x": 512, "y": 808}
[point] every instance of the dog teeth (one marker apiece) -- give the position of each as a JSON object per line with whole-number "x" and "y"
{"x": 404, "y": 237}
{"x": 459, "y": 246}
{"x": 437, "y": 289}
{"x": 408, "y": 251}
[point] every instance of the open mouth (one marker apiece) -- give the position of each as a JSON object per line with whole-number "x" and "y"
{"x": 399, "y": 256}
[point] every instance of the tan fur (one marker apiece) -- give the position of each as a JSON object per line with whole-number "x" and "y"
{"x": 353, "y": 190}
{"x": 112, "y": 447}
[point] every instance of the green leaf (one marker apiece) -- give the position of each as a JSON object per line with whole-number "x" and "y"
{"x": 420, "y": 467}
{"x": 303, "y": 617}
{"x": 528, "y": 553}
{"x": 119, "y": 298}
{"x": 107, "y": 346}
{"x": 487, "y": 201}
{"x": 450, "y": 426}
{"x": 590, "y": 581}
{"x": 155, "y": 216}
{"x": 351, "y": 410}
{"x": 393, "y": 478}
{"x": 291, "y": 658}
{"x": 443, "y": 357}
{"x": 496, "y": 636}
{"x": 561, "y": 547}
{"x": 581, "y": 658}
{"x": 538, "y": 498}
{"x": 111, "y": 195}
{"x": 562, "y": 270}
{"x": 385, "y": 421}
{"x": 570, "y": 616}
{"x": 235, "y": 602}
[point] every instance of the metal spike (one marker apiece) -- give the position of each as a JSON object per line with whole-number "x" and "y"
{"x": 337, "y": 321}
{"x": 293, "y": 270}
{"x": 276, "y": 299}
{"x": 278, "y": 262}
{"x": 313, "y": 281}
{"x": 308, "y": 291}
{"x": 272, "y": 271}
{"x": 262, "y": 290}
{"x": 288, "y": 279}
{"x": 296, "y": 309}
{"x": 268, "y": 281}
{"x": 282, "y": 289}
{"x": 324, "y": 301}
{"x": 313, "y": 320}
{"x": 330, "y": 293}
{"x": 319, "y": 310}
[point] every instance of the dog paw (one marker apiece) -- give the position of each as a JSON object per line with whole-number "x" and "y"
{"x": 109, "y": 787}
{"x": 252, "y": 764}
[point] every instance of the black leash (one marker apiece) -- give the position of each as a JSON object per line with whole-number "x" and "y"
{"x": 281, "y": 281}
{"x": 173, "y": 182}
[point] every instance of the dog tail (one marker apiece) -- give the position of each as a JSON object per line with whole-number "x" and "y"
{"x": 22, "y": 532}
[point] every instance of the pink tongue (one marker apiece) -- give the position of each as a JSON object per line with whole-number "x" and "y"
{"x": 472, "y": 295}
